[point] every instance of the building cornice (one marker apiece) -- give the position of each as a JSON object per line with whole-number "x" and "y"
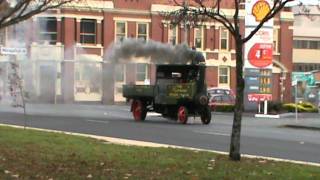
{"x": 69, "y": 15}
{"x": 132, "y": 19}
{"x": 286, "y": 16}
{"x": 90, "y": 5}
{"x": 128, "y": 11}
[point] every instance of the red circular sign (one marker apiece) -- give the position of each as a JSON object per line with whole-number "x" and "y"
{"x": 260, "y": 55}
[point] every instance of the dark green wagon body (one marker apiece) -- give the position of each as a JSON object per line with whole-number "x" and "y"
{"x": 179, "y": 92}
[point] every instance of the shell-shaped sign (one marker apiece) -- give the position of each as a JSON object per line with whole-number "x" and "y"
{"x": 260, "y": 9}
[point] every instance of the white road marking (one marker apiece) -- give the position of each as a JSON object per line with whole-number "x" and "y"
{"x": 97, "y": 121}
{"x": 153, "y": 114}
{"x": 212, "y": 133}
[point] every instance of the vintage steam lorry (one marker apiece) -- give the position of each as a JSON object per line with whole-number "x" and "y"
{"x": 179, "y": 92}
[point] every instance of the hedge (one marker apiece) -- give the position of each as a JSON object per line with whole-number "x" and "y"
{"x": 302, "y": 107}
{"x": 224, "y": 108}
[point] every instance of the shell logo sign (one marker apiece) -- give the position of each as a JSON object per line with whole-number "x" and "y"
{"x": 260, "y": 9}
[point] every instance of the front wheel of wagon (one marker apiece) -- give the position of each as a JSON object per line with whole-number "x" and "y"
{"x": 206, "y": 115}
{"x": 139, "y": 110}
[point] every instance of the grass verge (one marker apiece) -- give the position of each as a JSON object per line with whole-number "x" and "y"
{"x": 30, "y": 154}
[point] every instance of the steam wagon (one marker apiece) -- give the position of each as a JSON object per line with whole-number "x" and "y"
{"x": 179, "y": 92}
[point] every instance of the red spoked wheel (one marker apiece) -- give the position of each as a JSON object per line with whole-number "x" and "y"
{"x": 139, "y": 111}
{"x": 183, "y": 114}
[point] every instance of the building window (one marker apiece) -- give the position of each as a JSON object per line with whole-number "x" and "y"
{"x": 224, "y": 72}
{"x": 121, "y": 31}
{"x": 198, "y": 38}
{"x": 119, "y": 72}
{"x": 88, "y": 31}
{"x": 275, "y": 41}
{"x": 306, "y": 44}
{"x": 48, "y": 30}
{"x": 223, "y": 39}
{"x": 142, "y": 31}
{"x": 173, "y": 38}
{"x": 142, "y": 72}
{"x": 313, "y": 45}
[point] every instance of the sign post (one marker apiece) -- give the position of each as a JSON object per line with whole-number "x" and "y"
{"x": 258, "y": 56}
{"x": 295, "y": 84}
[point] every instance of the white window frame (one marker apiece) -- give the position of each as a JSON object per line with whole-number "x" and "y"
{"x": 147, "y": 30}
{"x": 222, "y": 84}
{"x": 146, "y": 70}
{"x": 275, "y": 42}
{"x": 201, "y": 29}
{"x": 43, "y": 31}
{"x": 84, "y": 33}
{"x": 115, "y": 30}
{"x": 170, "y": 27}
{"x": 123, "y": 67}
{"x": 227, "y": 39}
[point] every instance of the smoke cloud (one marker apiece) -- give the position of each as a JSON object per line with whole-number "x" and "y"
{"x": 158, "y": 52}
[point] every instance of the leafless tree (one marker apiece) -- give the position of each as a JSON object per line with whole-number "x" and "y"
{"x": 12, "y": 12}
{"x": 211, "y": 10}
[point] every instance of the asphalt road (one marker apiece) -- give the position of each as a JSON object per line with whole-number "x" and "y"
{"x": 263, "y": 137}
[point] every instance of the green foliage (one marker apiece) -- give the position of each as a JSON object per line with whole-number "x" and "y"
{"x": 301, "y": 106}
{"x": 224, "y": 108}
{"x": 275, "y": 106}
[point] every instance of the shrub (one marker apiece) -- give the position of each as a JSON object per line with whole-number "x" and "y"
{"x": 275, "y": 106}
{"x": 224, "y": 108}
{"x": 301, "y": 107}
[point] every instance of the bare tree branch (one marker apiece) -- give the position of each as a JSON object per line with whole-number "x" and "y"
{"x": 199, "y": 14}
{"x": 24, "y": 9}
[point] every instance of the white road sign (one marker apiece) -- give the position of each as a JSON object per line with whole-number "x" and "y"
{"x": 12, "y": 50}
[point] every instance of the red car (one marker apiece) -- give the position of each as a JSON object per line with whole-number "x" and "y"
{"x": 220, "y": 100}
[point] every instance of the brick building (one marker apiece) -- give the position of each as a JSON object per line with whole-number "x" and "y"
{"x": 67, "y": 49}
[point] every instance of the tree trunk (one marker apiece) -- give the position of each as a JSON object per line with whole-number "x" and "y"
{"x": 234, "y": 153}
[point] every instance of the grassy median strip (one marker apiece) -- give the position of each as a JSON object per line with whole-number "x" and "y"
{"x": 30, "y": 154}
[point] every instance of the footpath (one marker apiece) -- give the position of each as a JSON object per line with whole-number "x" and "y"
{"x": 66, "y": 110}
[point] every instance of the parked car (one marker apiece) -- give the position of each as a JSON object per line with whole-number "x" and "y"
{"x": 220, "y": 100}
{"x": 217, "y": 90}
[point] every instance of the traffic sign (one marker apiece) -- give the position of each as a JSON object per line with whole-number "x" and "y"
{"x": 12, "y": 50}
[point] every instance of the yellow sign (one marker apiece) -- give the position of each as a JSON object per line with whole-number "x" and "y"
{"x": 179, "y": 90}
{"x": 260, "y": 9}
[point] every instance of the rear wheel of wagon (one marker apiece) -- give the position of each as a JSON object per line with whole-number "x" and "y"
{"x": 183, "y": 114}
{"x": 139, "y": 110}
{"x": 206, "y": 115}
